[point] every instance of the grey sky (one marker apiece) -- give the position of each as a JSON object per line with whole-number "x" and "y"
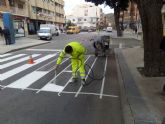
{"x": 70, "y": 4}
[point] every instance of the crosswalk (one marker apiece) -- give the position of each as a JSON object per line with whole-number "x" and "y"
{"x": 18, "y": 74}
{"x": 19, "y": 64}
{"x": 24, "y": 67}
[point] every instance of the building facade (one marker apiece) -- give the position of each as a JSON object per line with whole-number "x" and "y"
{"x": 131, "y": 17}
{"x": 19, "y": 10}
{"x": 45, "y": 12}
{"x": 4, "y": 7}
{"x": 86, "y": 16}
{"x": 29, "y": 14}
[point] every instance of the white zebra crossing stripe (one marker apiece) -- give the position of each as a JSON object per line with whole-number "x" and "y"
{"x": 12, "y": 57}
{"x": 27, "y": 80}
{"x": 24, "y": 67}
{"x": 51, "y": 50}
{"x": 17, "y": 61}
{"x": 52, "y": 88}
{"x": 4, "y": 55}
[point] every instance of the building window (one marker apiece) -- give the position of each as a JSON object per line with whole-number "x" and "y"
{"x": 2, "y": 3}
{"x": 91, "y": 19}
{"x": 34, "y": 9}
{"x": 44, "y": 11}
{"x": 85, "y": 19}
{"x": 20, "y": 6}
{"x": 85, "y": 12}
{"x": 39, "y": 10}
{"x": 73, "y": 20}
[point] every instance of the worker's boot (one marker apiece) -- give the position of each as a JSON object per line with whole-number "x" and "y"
{"x": 73, "y": 80}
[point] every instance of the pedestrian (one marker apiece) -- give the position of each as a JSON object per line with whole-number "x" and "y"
{"x": 162, "y": 44}
{"x": 135, "y": 30}
{"x": 6, "y": 33}
{"x": 77, "y": 51}
{"x": 162, "y": 47}
{"x": 1, "y": 32}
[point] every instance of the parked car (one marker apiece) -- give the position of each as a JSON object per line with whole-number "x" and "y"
{"x": 109, "y": 29}
{"x": 47, "y": 31}
{"x": 104, "y": 29}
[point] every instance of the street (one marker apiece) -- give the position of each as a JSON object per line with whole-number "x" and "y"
{"x": 31, "y": 95}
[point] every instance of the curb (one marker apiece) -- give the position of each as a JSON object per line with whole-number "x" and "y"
{"x": 140, "y": 111}
{"x": 126, "y": 110}
{"x": 16, "y": 49}
{"x": 125, "y": 38}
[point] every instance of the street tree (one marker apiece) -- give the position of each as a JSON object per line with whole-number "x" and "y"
{"x": 118, "y": 5}
{"x": 151, "y": 18}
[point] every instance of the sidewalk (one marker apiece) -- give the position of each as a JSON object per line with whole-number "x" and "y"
{"x": 21, "y": 43}
{"x": 143, "y": 101}
{"x": 128, "y": 35}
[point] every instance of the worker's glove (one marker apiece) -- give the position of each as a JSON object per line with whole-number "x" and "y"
{"x": 56, "y": 67}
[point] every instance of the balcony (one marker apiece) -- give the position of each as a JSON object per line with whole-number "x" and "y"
{"x": 45, "y": 17}
{"x": 17, "y": 11}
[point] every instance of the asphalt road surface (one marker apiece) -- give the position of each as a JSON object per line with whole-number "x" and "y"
{"x": 31, "y": 94}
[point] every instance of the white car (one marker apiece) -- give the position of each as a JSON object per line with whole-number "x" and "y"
{"x": 45, "y": 33}
{"x": 109, "y": 29}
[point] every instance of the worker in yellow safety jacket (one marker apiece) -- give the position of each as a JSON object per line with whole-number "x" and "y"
{"x": 77, "y": 51}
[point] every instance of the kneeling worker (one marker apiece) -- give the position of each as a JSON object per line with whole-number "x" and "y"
{"x": 77, "y": 51}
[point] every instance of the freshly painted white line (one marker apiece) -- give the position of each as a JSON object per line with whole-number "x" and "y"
{"x": 50, "y": 82}
{"x": 97, "y": 94}
{"x": 2, "y": 86}
{"x": 27, "y": 80}
{"x": 78, "y": 91}
{"x": 68, "y": 92}
{"x": 71, "y": 77}
{"x": 85, "y": 78}
{"x": 12, "y": 57}
{"x": 17, "y": 61}
{"x": 4, "y": 55}
{"x": 24, "y": 67}
{"x": 103, "y": 81}
{"x": 64, "y": 86}
{"x": 61, "y": 63}
{"x": 89, "y": 93}
{"x": 56, "y": 76}
{"x": 44, "y": 50}
{"x": 69, "y": 71}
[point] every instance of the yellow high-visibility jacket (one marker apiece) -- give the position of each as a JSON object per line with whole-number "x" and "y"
{"x": 78, "y": 50}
